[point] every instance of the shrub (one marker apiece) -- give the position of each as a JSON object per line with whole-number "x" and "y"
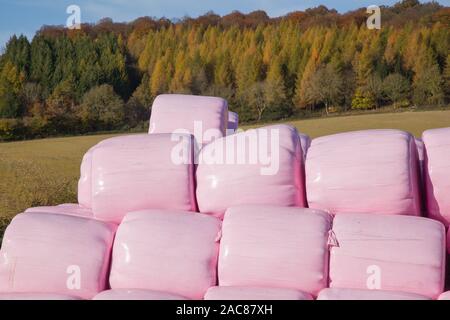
{"x": 363, "y": 101}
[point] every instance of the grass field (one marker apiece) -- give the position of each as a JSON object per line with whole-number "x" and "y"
{"x": 45, "y": 172}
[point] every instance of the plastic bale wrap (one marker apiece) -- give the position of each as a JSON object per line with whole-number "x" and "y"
{"x": 255, "y": 293}
{"x": 58, "y": 254}
{"x": 305, "y": 142}
{"x": 70, "y": 209}
{"x": 85, "y": 181}
{"x": 260, "y": 167}
{"x": 448, "y": 241}
{"x": 173, "y": 252}
{"x": 276, "y": 247}
{"x": 357, "y": 294}
{"x": 374, "y": 171}
{"x": 136, "y": 294}
{"x": 142, "y": 172}
{"x": 437, "y": 174}
{"x": 233, "y": 122}
{"x": 385, "y": 252}
{"x": 204, "y": 117}
{"x": 445, "y": 296}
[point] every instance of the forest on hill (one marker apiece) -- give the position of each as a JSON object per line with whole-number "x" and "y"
{"x": 106, "y": 75}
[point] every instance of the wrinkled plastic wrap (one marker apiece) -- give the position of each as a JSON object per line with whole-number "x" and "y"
{"x": 233, "y": 122}
{"x": 445, "y": 296}
{"x": 448, "y": 241}
{"x": 393, "y": 253}
{"x": 374, "y": 171}
{"x": 58, "y": 254}
{"x": 168, "y": 251}
{"x": 85, "y": 181}
{"x": 265, "y": 246}
{"x": 357, "y": 294}
{"x": 204, "y": 117}
{"x": 305, "y": 142}
{"x": 255, "y": 293}
{"x": 437, "y": 174}
{"x": 262, "y": 166}
{"x": 142, "y": 172}
{"x": 70, "y": 209}
{"x": 136, "y": 294}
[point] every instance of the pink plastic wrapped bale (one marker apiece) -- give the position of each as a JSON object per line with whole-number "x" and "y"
{"x": 445, "y": 296}
{"x": 35, "y": 296}
{"x": 168, "y": 251}
{"x": 255, "y": 293}
{"x": 70, "y": 209}
{"x": 204, "y": 117}
{"x": 262, "y": 166}
{"x": 385, "y": 252}
{"x": 85, "y": 181}
{"x": 142, "y": 172}
{"x": 136, "y": 294}
{"x": 278, "y": 247}
{"x": 233, "y": 122}
{"x": 58, "y": 254}
{"x": 374, "y": 171}
{"x": 357, "y": 294}
{"x": 437, "y": 173}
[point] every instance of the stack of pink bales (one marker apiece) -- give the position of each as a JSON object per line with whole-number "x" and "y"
{"x": 198, "y": 210}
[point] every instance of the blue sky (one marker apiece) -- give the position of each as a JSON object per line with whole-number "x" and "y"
{"x": 27, "y": 16}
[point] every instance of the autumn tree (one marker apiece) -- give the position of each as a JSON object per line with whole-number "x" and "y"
{"x": 10, "y": 86}
{"x": 325, "y": 86}
{"x": 102, "y": 108}
{"x": 396, "y": 88}
{"x": 373, "y": 89}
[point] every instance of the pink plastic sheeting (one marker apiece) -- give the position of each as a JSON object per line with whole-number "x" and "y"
{"x": 437, "y": 174}
{"x": 35, "y": 296}
{"x": 357, "y": 294}
{"x": 85, "y": 181}
{"x": 136, "y": 294}
{"x": 420, "y": 149}
{"x": 265, "y": 246}
{"x": 393, "y": 253}
{"x": 374, "y": 171}
{"x": 142, "y": 172}
{"x": 305, "y": 142}
{"x": 52, "y": 253}
{"x": 70, "y": 209}
{"x": 448, "y": 241}
{"x": 169, "y": 251}
{"x": 262, "y": 166}
{"x": 255, "y": 293}
{"x": 233, "y": 122}
{"x": 445, "y": 296}
{"x": 204, "y": 117}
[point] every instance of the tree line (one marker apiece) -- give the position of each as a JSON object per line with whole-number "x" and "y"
{"x": 106, "y": 75}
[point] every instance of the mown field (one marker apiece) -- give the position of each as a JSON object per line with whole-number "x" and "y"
{"x": 45, "y": 172}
